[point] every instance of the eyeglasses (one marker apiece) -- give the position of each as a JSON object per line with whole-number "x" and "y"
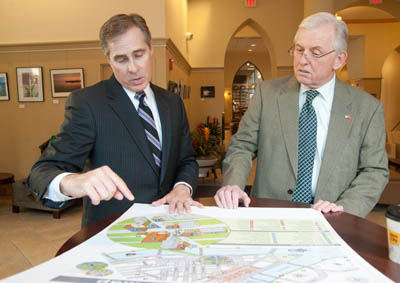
{"x": 313, "y": 52}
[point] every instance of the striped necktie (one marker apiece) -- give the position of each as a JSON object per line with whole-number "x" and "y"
{"x": 307, "y": 148}
{"x": 149, "y": 128}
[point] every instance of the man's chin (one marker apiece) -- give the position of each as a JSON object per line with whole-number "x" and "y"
{"x": 303, "y": 79}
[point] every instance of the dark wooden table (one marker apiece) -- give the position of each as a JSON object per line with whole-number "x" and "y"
{"x": 395, "y": 162}
{"x": 6, "y": 179}
{"x": 368, "y": 239}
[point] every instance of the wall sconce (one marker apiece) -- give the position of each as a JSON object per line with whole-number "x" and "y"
{"x": 189, "y": 35}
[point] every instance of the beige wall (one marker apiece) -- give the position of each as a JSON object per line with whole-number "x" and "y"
{"x": 180, "y": 72}
{"x": 27, "y": 21}
{"x": 27, "y": 125}
{"x": 380, "y": 41}
{"x": 176, "y": 23}
{"x": 391, "y": 89}
{"x": 201, "y": 108}
{"x": 214, "y": 22}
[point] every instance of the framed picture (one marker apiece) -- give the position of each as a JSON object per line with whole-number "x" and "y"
{"x": 4, "y": 95}
{"x": 64, "y": 81}
{"x": 207, "y": 91}
{"x": 173, "y": 87}
{"x": 180, "y": 89}
{"x": 30, "y": 84}
{"x": 186, "y": 92}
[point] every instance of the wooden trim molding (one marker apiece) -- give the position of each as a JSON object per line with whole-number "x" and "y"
{"x": 205, "y": 69}
{"x": 50, "y": 46}
{"x": 371, "y": 21}
{"x": 180, "y": 59}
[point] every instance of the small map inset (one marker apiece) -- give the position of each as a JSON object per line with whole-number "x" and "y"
{"x": 169, "y": 232}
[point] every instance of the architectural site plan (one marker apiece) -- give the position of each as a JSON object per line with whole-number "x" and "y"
{"x": 146, "y": 244}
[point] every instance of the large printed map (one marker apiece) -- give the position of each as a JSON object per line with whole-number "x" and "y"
{"x": 252, "y": 245}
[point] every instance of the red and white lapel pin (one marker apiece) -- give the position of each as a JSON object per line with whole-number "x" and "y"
{"x": 348, "y": 117}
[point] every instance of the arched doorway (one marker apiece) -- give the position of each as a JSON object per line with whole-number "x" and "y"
{"x": 243, "y": 87}
{"x": 391, "y": 95}
{"x": 249, "y": 43}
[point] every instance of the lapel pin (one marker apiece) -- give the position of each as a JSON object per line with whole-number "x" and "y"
{"x": 347, "y": 117}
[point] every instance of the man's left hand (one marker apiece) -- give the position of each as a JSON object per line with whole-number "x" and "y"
{"x": 326, "y": 206}
{"x": 179, "y": 198}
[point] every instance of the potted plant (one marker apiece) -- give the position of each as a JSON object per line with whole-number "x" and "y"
{"x": 206, "y": 141}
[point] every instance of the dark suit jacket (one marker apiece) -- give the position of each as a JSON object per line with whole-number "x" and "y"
{"x": 102, "y": 125}
{"x": 354, "y": 169}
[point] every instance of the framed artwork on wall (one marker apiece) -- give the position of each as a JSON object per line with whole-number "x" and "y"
{"x": 64, "y": 81}
{"x": 186, "y": 92}
{"x": 30, "y": 84}
{"x": 207, "y": 91}
{"x": 180, "y": 89}
{"x": 173, "y": 87}
{"x": 4, "y": 94}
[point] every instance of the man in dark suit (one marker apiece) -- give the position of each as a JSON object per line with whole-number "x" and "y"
{"x": 133, "y": 136}
{"x": 317, "y": 140}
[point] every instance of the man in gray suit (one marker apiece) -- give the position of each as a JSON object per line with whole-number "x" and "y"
{"x": 135, "y": 135}
{"x": 316, "y": 139}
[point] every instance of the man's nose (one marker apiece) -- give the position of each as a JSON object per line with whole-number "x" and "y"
{"x": 132, "y": 67}
{"x": 304, "y": 58}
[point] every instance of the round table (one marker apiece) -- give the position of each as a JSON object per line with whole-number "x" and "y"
{"x": 368, "y": 239}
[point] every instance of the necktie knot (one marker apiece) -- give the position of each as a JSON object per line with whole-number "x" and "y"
{"x": 140, "y": 95}
{"x": 311, "y": 94}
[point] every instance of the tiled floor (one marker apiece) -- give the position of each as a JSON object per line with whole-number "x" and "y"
{"x": 32, "y": 237}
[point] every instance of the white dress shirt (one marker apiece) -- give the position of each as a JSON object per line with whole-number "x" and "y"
{"x": 322, "y": 104}
{"x": 53, "y": 190}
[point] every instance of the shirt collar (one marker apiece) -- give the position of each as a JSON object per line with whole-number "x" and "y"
{"x": 147, "y": 90}
{"x": 326, "y": 91}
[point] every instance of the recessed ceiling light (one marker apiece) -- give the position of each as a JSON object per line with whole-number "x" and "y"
{"x": 250, "y": 50}
{"x": 253, "y": 45}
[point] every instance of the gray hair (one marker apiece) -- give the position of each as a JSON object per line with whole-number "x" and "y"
{"x": 341, "y": 32}
{"x": 118, "y": 25}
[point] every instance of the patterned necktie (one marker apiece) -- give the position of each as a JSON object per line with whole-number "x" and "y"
{"x": 149, "y": 128}
{"x": 307, "y": 148}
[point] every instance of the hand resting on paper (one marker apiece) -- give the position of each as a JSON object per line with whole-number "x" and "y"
{"x": 229, "y": 197}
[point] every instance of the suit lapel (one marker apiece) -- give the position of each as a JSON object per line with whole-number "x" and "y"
{"x": 338, "y": 132}
{"x": 163, "y": 109}
{"x": 288, "y": 105}
{"x": 122, "y": 106}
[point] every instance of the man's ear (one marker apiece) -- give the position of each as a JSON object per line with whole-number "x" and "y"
{"x": 339, "y": 60}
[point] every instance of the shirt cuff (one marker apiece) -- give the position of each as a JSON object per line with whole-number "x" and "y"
{"x": 53, "y": 189}
{"x": 187, "y": 185}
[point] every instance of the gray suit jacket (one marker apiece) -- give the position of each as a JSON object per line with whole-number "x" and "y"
{"x": 354, "y": 169}
{"x": 102, "y": 125}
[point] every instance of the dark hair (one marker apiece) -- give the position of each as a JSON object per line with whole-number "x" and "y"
{"x": 118, "y": 25}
